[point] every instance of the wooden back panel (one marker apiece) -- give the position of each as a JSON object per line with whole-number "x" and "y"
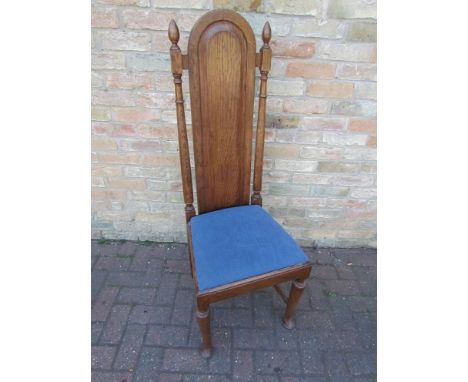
{"x": 221, "y": 63}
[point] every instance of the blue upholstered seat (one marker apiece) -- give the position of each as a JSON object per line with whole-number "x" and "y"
{"x": 240, "y": 242}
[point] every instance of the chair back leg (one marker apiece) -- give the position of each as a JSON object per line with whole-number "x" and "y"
{"x": 203, "y": 318}
{"x": 295, "y": 294}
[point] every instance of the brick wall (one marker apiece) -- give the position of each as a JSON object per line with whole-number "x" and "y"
{"x": 320, "y": 150}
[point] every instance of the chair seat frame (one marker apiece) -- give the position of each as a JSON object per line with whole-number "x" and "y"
{"x": 298, "y": 273}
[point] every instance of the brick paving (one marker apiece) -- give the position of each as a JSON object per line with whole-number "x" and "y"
{"x": 144, "y": 329}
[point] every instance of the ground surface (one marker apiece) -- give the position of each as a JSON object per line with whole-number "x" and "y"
{"x": 144, "y": 329}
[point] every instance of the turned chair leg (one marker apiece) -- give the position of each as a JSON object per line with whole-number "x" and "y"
{"x": 203, "y": 318}
{"x": 297, "y": 288}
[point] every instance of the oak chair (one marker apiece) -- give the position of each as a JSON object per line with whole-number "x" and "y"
{"x": 235, "y": 246}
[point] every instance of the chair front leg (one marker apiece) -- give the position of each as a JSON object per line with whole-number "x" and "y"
{"x": 297, "y": 288}
{"x": 203, "y": 318}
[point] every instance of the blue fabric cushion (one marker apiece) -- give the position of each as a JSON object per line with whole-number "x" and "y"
{"x": 240, "y": 242}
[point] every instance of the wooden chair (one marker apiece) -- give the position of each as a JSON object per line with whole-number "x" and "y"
{"x": 235, "y": 246}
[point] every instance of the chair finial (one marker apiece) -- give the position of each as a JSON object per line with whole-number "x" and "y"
{"x": 266, "y": 34}
{"x": 173, "y": 32}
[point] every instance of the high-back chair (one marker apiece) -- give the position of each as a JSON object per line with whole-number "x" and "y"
{"x": 235, "y": 246}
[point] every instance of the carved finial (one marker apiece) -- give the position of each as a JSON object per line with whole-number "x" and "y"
{"x": 266, "y": 34}
{"x": 173, "y": 32}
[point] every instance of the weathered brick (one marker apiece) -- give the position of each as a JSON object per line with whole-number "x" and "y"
{"x": 123, "y": 80}
{"x": 366, "y": 90}
{"x": 321, "y": 191}
{"x": 363, "y": 125}
{"x": 311, "y": 27}
{"x": 355, "y": 108}
{"x": 281, "y": 121}
{"x": 108, "y": 195}
{"x": 145, "y": 145}
{"x": 123, "y": 183}
{"x": 162, "y": 132}
{"x": 148, "y": 62}
{"x": 288, "y": 189}
{"x": 330, "y": 89}
{"x": 139, "y": 3}
{"x": 162, "y": 159}
{"x": 103, "y": 170}
{"x": 316, "y": 70}
{"x": 104, "y": 18}
{"x": 297, "y": 7}
{"x": 360, "y": 154}
{"x": 337, "y": 139}
{"x": 196, "y": 4}
{"x": 358, "y": 52}
{"x": 352, "y": 9}
{"x": 333, "y": 166}
{"x": 292, "y": 48}
{"x": 156, "y": 100}
{"x": 308, "y": 137}
{"x": 119, "y": 40}
{"x": 147, "y": 19}
{"x": 296, "y": 165}
{"x": 323, "y": 123}
{"x": 135, "y": 115}
{"x": 119, "y": 158}
{"x": 96, "y": 80}
{"x": 285, "y": 88}
{"x": 112, "y": 98}
{"x": 100, "y": 113}
{"x": 366, "y": 32}
{"x": 103, "y": 144}
{"x": 318, "y": 153}
{"x": 361, "y": 180}
{"x": 135, "y": 129}
{"x": 282, "y": 151}
{"x": 237, "y": 5}
{"x": 357, "y": 72}
{"x": 108, "y": 60}
{"x": 305, "y": 106}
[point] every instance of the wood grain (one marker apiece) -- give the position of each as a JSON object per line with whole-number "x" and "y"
{"x": 221, "y": 52}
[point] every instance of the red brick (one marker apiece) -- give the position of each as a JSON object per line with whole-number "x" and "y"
{"x": 119, "y": 158}
{"x": 128, "y": 184}
{"x": 103, "y": 144}
{"x": 292, "y": 48}
{"x": 162, "y": 159}
{"x": 119, "y": 80}
{"x": 317, "y": 70}
{"x": 163, "y": 132}
{"x": 135, "y": 115}
{"x": 330, "y": 89}
{"x": 363, "y": 125}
